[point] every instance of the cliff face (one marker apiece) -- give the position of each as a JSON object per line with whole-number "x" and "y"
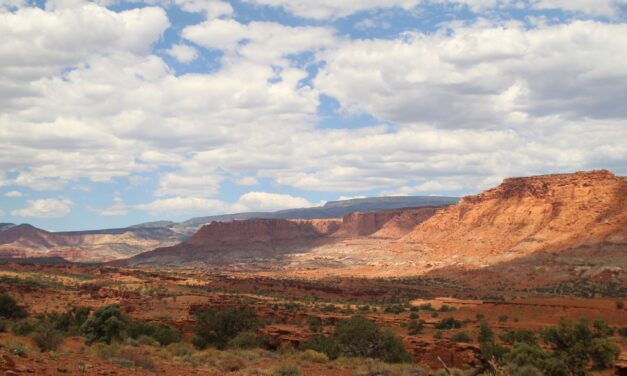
{"x": 526, "y": 215}
{"x": 270, "y": 231}
{"x": 383, "y": 224}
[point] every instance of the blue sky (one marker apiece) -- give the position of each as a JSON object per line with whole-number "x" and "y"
{"x": 115, "y": 113}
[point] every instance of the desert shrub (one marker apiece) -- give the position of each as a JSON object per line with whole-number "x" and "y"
{"x": 9, "y": 309}
{"x": 448, "y": 323}
{"x": 105, "y": 325}
{"x": 132, "y": 357}
{"x": 230, "y": 362}
{"x": 602, "y": 329}
{"x": 460, "y": 337}
{"x": 446, "y": 308}
{"x": 503, "y": 318}
{"x": 359, "y": 336}
{"x": 488, "y": 347}
{"x": 46, "y": 337}
{"x": 415, "y": 327}
{"x": 23, "y": 328}
{"x": 620, "y": 304}
{"x": 163, "y": 334}
{"x": 525, "y": 370}
{"x": 146, "y": 341}
{"x": 69, "y": 321}
{"x": 244, "y": 340}
{"x": 286, "y": 370}
{"x": 603, "y": 353}
{"x": 437, "y": 334}
{"x": 480, "y": 316}
{"x": 179, "y": 349}
{"x": 314, "y": 356}
{"x": 396, "y": 309}
{"x": 315, "y": 325}
{"x": 392, "y": 349}
{"x": 573, "y": 342}
{"x": 426, "y": 307}
{"x": 217, "y": 328}
{"x": 4, "y": 324}
{"x": 435, "y": 314}
{"x": 326, "y": 345}
{"x": 622, "y": 331}
{"x": 521, "y": 335}
{"x": 414, "y": 315}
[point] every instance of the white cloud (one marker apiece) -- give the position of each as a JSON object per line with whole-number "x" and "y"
{"x": 263, "y": 201}
{"x": 591, "y": 7}
{"x": 265, "y": 42}
{"x": 118, "y": 208}
{"x": 248, "y": 202}
{"x": 45, "y": 208}
{"x": 246, "y": 180}
{"x": 333, "y": 9}
{"x": 211, "y": 8}
{"x": 183, "y": 53}
{"x": 13, "y": 194}
{"x": 1, "y": 213}
{"x": 184, "y": 205}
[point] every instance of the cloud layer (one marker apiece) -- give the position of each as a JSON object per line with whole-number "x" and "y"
{"x": 260, "y": 104}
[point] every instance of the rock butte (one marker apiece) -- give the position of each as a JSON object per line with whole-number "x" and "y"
{"x": 517, "y": 220}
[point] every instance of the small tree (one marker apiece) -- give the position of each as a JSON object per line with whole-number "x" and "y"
{"x": 105, "y": 325}
{"x": 217, "y": 328}
{"x": 9, "y": 309}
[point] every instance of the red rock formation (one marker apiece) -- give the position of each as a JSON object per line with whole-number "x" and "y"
{"x": 383, "y": 224}
{"x": 270, "y": 231}
{"x": 525, "y": 215}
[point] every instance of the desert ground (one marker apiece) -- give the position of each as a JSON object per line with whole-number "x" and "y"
{"x": 292, "y": 309}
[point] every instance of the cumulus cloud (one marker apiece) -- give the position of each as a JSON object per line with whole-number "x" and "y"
{"x": 183, "y": 205}
{"x": 183, "y": 53}
{"x": 248, "y": 202}
{"x": 13, "y": 194}
{"x": 264, "y": 201}
{"x": 333, "y": 9}
{"x": 45, "y": 208}
{"x": 118, "y": 208}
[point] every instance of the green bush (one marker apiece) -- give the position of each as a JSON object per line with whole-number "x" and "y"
{"x": 23, "y": 328}
{"x": 522, "y": 335}
{"x": 245, "y": 340}
{"x": 448, "y": 323}
{"x": 9, "y": 309}
{"x": 396, "y": 309}
{"x": 323, "y": 344}
{"x": 286, "y": 370}
{"x": 415, "y": 327}
{"x": 105, "y": 325}
{"x": 46, "y": 337}
{"x": 4, "y": 324}
{"x": 460, "y": 337}
{"x": 217, "y": 328}
{"x": 315, "y": 325}
{"x": 359, "y": 336}
{"x": 163, "y": 334}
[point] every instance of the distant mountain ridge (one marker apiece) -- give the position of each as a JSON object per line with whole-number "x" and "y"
{"x": 24, "y": 240}
{"x": 334, "y": 209}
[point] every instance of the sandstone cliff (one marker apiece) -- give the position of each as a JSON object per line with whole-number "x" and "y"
{"x": 526, "y": 215}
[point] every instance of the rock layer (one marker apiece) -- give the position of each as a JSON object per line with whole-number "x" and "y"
{"x": 526, "y": 215}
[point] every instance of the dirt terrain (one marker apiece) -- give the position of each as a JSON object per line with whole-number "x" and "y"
{"x": 286, "y": 304}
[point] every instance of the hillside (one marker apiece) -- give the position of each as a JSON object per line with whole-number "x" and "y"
{"x": 99, "y": 245}
{"x": 525, "y": 215}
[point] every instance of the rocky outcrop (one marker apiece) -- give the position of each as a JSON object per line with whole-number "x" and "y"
{"x": 383, "y": 224}
{"x": 526, "y": 215}
{"x": 268, "y": 231}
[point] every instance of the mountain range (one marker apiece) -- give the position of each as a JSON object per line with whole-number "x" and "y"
{"x": 24, "y": 240}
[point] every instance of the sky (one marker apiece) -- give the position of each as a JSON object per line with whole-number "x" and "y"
{"x": 114, "y": 113}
